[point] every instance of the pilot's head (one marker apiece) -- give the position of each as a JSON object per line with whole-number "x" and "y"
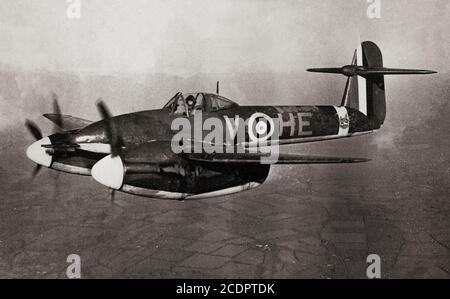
{"x": 190, "y": 101}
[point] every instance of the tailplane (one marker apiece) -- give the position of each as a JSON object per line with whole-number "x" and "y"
{"x": 365, "y": 89}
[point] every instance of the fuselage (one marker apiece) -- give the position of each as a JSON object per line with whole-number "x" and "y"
{"x": 295, "y": 124}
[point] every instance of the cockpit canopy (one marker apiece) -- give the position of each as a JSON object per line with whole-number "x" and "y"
{"x": 189, "y": 103}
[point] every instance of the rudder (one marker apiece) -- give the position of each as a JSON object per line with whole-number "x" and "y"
{"x": 367, "y": 93}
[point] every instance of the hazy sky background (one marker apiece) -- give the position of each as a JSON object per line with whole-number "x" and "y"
{"x": 185, "y": 37}
{"x": 136, "y": 54}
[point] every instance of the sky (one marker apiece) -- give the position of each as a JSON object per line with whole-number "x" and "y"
{"x": 186, "y": 37}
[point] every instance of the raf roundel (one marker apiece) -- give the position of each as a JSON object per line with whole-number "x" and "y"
{"x": 260, "y": 127}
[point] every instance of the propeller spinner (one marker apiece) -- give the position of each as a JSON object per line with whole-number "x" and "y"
{"x": 37, "y": 152}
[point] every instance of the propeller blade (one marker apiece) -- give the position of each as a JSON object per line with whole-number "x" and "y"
{"x": 57, "y": 189}
{"x": 114, "y": 139}
{"x": 57, "y": 111}
{"x": 103, "y": 110}
{"x": 36, "y": 170}
{"x": 112, "y": 194}
{"x": 33, "y": 129}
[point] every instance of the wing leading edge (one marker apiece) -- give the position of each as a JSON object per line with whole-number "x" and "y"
{"x": 257, "y": 158}
{"x": 68, "y": 122}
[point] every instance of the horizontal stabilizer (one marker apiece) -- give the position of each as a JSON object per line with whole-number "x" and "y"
{"x": 67, "y": 122}
{"x": 256, "y": 158}
{"x": 353, "y": 70}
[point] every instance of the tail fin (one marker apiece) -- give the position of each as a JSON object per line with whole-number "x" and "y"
{"x": 365, "y": 90}
{"x": 367, "y": 94}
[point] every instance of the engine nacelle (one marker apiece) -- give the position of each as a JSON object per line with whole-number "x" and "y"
{"x": 177, "y": 181}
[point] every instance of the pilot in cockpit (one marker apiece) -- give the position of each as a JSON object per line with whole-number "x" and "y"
{"x": 179, "y": 106}
{"x": 190, "y": 101}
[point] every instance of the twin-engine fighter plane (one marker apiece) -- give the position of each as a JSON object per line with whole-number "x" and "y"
{"x": 134, "y": 153}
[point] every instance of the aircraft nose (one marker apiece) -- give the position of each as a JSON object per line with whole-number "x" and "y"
{"x": 37, "y": 153}
{"x": 109, "y": 171}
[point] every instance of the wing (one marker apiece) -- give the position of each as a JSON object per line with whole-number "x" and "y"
{"x": 68, "y": 122}
{"x": 258, "y": 158}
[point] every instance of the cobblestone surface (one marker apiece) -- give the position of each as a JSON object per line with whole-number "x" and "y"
{"x": 305, "y": 222}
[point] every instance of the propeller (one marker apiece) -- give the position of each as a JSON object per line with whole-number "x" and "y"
{"x": 33, "y": 129}
{"x": 103, "y": 110}
{"x": 59, "y": 124}
{"x": 36, "y": 132}
{"x": 56, "y": 115}
{"x": 57, "y": 112}
{"x": 36, "y": 170}
{"x": 114, "y": 138}
{"x": 112, "y": 194}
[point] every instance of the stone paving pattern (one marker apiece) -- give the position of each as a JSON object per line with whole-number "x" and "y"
{"x": 305, "y": 222}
